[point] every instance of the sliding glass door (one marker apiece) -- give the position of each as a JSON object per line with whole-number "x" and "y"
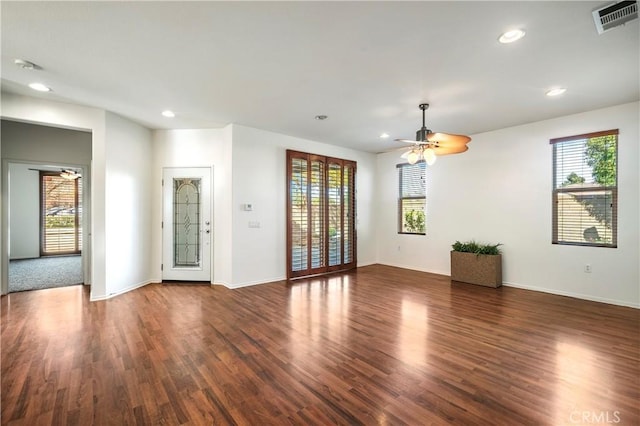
{"x": 321, "y": 230}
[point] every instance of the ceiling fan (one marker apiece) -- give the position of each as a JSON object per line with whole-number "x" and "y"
{"x": 429, "y": 145}
{"x": 70, "y": 174}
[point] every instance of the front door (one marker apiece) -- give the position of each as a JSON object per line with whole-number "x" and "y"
{"x": 186, "y": 226}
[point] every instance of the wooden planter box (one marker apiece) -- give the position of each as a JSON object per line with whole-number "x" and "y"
{"x": 477, "y": 269}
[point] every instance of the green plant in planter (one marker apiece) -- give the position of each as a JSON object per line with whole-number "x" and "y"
{"x": 477, "y": 248}
{"x": 476, "y": 263}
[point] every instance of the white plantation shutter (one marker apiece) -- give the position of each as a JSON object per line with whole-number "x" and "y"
{"x": 585, "y": 189}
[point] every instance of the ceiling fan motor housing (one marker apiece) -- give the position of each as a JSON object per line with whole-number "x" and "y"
{"x": 421, "y": 135}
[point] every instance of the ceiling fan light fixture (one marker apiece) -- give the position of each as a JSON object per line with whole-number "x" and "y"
{"x": 413, "y": 157}
{"x": 429, "y": 155}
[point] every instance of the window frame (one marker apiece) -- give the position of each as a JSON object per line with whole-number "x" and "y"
{"x": 401, "y": 199}
{"x": 77, "y": 219}
{"x": 557, "y": 190}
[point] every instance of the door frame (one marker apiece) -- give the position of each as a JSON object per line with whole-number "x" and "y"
{"x": 352, "y": 217}
{"x": 212, "y": 217}
{"x": 86, "y": 217}
{"x": 42, "y": 173}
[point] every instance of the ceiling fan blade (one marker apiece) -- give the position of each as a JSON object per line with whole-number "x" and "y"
{"x": 445, "y": 144}
{"x": 453, "y": 149}
{"x": 397, "y": 149}
{"x": 413, "y": 141}
{"x": 406, "y": 154}
{"x": 447, "y": 138}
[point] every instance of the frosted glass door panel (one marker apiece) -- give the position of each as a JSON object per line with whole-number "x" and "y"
{"x": 186, "y": 222}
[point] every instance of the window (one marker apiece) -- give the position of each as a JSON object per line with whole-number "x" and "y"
{"x": 321, "y": 233}
{"x": 61, "y": 214}
{"x": 412, "y": 191}
{"x": 585, "y": 189}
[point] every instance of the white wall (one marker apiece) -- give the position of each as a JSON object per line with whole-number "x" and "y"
{"x": 42, "y": 144}
{"x": 259, "y": 177}
{"x": 27, "y": 146}
{"x": 250, "y": 172}
{"x": 24, "y": 208}
{"x": 196, "y": 148}
{"x": 500, "y": 191}
{"x": 58, "y": 114}
{"x": 128, "y": 205}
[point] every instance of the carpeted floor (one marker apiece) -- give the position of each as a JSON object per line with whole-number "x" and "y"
{"x": 45, "y": 272}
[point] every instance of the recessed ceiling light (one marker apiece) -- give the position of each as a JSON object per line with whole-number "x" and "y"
{"x": 321, "y": 117}
{"x": 555, "y": 92}
{"x": 39, "y": 87}
{"x": 168, "y": 113}
{"x": 511, "y": 36}
{"x": 384, "y": 136}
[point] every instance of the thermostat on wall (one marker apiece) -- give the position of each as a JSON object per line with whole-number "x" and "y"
{"x": 248, "y": 207}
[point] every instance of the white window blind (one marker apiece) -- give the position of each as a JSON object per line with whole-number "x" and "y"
{"x": 585, "y": 189}
{"x": 412, "y": 191}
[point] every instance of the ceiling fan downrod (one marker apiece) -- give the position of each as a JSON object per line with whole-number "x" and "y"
{"x": 421, "y": 135}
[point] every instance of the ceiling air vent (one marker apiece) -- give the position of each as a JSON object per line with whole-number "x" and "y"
{"x": 614, "y": 15}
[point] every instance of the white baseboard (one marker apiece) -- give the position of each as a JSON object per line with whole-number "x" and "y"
{"x": 506, "y": 284}
{"x": 125, "y": 290}
{"x": 398, "y": 265}
{"x": 574, "y": 295}
{"x": 534, "y": 288}
{"x": 252, "y": 283}
{"x": 271, "y": 280}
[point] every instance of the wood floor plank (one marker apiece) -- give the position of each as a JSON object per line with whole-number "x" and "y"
{"x": 378, "y": 345}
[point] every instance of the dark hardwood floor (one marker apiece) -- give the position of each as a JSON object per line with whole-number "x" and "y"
{"x": 377, "y": 346}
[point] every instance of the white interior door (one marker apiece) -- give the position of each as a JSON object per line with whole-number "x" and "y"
{"x": 186, "y": 226}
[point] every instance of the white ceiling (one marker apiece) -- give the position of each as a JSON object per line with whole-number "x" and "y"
{"x": 367, "y": 65}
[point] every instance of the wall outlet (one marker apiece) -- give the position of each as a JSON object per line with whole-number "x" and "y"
{"x": 587, "y": 268}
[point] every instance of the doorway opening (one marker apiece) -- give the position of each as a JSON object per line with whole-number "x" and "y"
{"x": 28, "y": 148}
{"x": 45, "y": 226}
